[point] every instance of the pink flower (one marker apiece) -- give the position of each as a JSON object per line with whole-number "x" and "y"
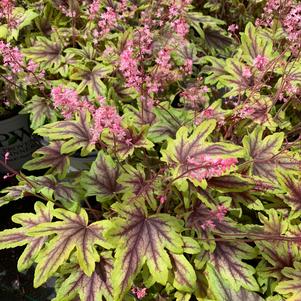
{"x": 139, "y": 292}
{"x": 181, "y": 27}
{"x": 246, "y": 72}
{"x": 128, "y": 66}
{"x": 260, "y": 62}
{"x": 94, "y": 9}
{"x": 207, "y": 167}
{"x": 107, "y": 117}
{"x": 108, "y": 20}
{"x": 233, "y": 28}
{"x": 12, "y": 57}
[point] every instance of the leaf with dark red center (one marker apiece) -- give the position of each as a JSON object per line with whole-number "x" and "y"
{"x": 101, "y": 180}
{"x": 13, "y": 193}
{"x": 71, "y": 232}
{"x": 220, "y": 290}
{"x": 77, "y": 132}
{"x": 12, "y": 238}
{"x": 168, "y": 121}
{"x": 50, "y": 157}
{"x": 291, "y": 286}
{"x": 185, "y": 147}
{"x": 254, "y": 44}
{"x": 231, "y": 183}
{"x": 125, "y": 146}
{"x": 40, "y": 110}
{"x": 184, "y": 274}
{"x": 235, "y": 79}
{"x": 292, "y": 187}
{"x": 136, "y": 184}
{"x": 265, "y": 154}
{"x": 91, "y": 78}
{"x": 89, "y": 288}
{"x": 46, "y": 52}
{"x": 142, "y": 239}
{"x": 227, "y": 261}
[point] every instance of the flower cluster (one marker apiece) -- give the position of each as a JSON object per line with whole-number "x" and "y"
{"x": 195, "y": 96}
{"x": 69, "y": 102}
{"x": 214, "y": 217}
{"x": 205, "y": 167}
{"x": 107, "y": 117}
{"x": 12, "y": 57}
{"x": 6, "y": 13}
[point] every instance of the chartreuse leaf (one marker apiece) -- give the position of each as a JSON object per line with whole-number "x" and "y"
{"x": 71, "y": 232}
{"x": 265, "y": 154}
{"x": 227, "y": 261}
{"x": 12, "y": 238}
{"x": 168, "y": 121}
{"x": 185, "y": 147}
{"x": 101, "y": 180}
{"x": 136, "y": 184}
{"x": 125, "y": 147}
{"x": 278, "y": 254}
{"x": 40, "y": 110}
{"x": 292, "y": 187}
{"x": 220, "y": 290}
{"x": 50, "y": 157}
{"x": 140, "y": 239}
{"x": 77, "y": 132}
{"x": 254, "y": 44}
{"x": 234, "y": 78}
{"x": 291, "y": 287}
{"x": 46, "y": 52}
{"x": 231, "y": 183}
{"x": 88, "y": 288}
{"x": 184, "y": 274}
{"x": 91, "y": 78}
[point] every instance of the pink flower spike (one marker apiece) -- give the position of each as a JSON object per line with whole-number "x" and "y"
{"x": 260, "y": 62}
{"x": 246, "y": 72}
{"x": 6, "y": 157}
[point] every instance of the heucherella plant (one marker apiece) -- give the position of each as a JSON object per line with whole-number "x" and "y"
{"x": 192, "y": 120}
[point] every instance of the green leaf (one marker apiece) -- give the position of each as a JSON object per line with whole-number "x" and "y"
{"x": 40, "y": 110}
{"x": 136, "y": 184}
{"x": 184, "y": 274}
{"x": 101, "y": 180}
{"x": 142, "y": 239}
{"x": 185, "y": 147}
{"x": 125, "y": 147}
{"x": 71, "y": 232}
{"x": 292, "y": 187}
{"x": 76, "y": 132}
{"x": 265, "y": 155}
{"x": 12, "y": 238}
{"x": 291, "y": 288}
{"x": 254, "y": 44}
{"x": 231, "y": 183}
{"x": 219, "y": 290}
{"x": 50, "y": 157}
{"x": 89, "y": 288}
{"x": 91, "y": 79}
{"x": 227, "y": 261}
{"x": 168, "y": 121}
{"x": 46, "y": 52}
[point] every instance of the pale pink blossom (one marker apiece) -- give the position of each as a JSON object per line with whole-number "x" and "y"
{"x": 12, "y": 57}
{"x": 107, "y": 117}
{"x": 260, "y": 62}
{"x": 139, "y": 292}
{"x": 233, "y": 28}
{"x": 246, "y": 72}
{"x": 206, "y": 167}
{"x": 181, "y": 27}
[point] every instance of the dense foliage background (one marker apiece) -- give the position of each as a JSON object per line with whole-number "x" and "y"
{"x": 188, "y": 116}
